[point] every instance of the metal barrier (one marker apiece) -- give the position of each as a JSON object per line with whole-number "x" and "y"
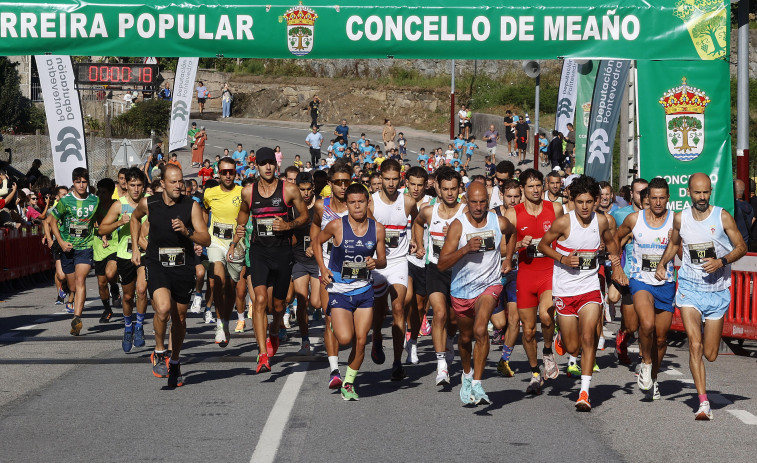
{"x": 741, "y": 319}
{"x": 22, "y": 253}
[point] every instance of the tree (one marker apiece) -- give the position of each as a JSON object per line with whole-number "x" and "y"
{"x": 14, "y": 107}
{"x": 683, "y": 125}
{"x": 142, "y": 118}
{"x": 711, "y": 28}
{"x": 299, "y": 33}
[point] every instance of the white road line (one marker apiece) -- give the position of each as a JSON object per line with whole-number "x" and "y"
{"x": 744, "y": 416}
{"x": 270, "y": 438}
{"x": 672, "y": 372}
{"x": 28, "y": 327}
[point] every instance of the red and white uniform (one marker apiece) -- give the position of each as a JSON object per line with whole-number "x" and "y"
{"x": 534, "y": 269}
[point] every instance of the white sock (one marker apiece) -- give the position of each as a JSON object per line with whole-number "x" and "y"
{"x": 333, "y": 362}
{"x": 475, "y": 381}
{"x": 441, "y": 364}
{"x": 585, "y": 383}
{"x": 240, "y": 315}
{"x": 468, "y": 375}
{"x": 219, "y": 322}
{"x": 571, "y": 360}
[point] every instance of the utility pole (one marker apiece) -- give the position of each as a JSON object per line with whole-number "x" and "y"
{"x": 452, "y": 105}
{"x": 742, "y": 98}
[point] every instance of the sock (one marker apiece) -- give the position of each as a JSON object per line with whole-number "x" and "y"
{"x": 219, "y": 322}
{"x": 127, "y": 322}
{"x": 173, "y": 362}
{"x": 475, "y": 382}
{"x": 535, "y": 370}
{"x": 106, "y": 304}
{"x": 585, "y": 383}
{"x": 547, "y": 350}
{"x": 160, "y": 351}
{"x": 506, "y": 352}
{"x": 198, "y": 294}
{"x": 350, "y": 376}
{"x": 702, "y": 398}
{"x": 441, "y": 360}
{"x": 468, "y": 375}
{"x": 140, "y": 319}
{"x": 305, "y": 339}
{"x": 240, "y": 316}
{"x": 333, "y": 362}
{"x": 572, "y": 360}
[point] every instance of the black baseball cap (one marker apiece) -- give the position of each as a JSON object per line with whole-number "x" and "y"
{"x": 264, "y": 155}
{"x": 303, "y": 177}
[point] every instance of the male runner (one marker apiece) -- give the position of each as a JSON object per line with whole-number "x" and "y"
{"x": 711, "y": 242}
{"x": 117, "y": 221}
{"x": 104, "y": 249}
{"x": 391, "y": 209}
{"x": 435, "y": 219}
{"x": 554, "y": 183}
{"x": 653, "y": 299}
{"x": 415, "y": 297}
{"x": 473, "y": 249}
{"x": 355, "y": 238}
{"x": 269, "y": 202}
{"x": 177, "y": 229}
{"x": 305, "y": 270}
{"x": 222, "y": 204}
{"x": 575, "y": 284}
{"x": 71, "y": 222}
{"x": 532, "y": 218}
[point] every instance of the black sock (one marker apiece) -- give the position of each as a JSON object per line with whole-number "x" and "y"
{"x": 106, "y": 304}
{"x": 547, "y": 350}
{"x": 535, "y": 370}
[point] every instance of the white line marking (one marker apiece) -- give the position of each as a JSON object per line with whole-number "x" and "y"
{"x": 270, "y": 438}
{"x": 672, "y": 372}
{"x": 744, "y": 416}
{"x": 61, "y": 313}
{"x": 718, "y": 399}
{"x": 28, "y": 327}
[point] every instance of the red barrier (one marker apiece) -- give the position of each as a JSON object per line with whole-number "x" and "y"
{"x": 22, "y": 253}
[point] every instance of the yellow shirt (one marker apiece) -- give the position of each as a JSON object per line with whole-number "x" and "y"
{"x": 224, "y": 208}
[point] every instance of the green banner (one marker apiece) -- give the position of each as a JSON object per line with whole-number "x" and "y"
{"x": 684, "y": 127}
{"x": 587, "y": 73}
{"x": 476, "y": 29}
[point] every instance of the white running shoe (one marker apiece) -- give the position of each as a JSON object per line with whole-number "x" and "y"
{"x": 209, "y": 318}
{"x": 220, "y": 335}
{"x": 655, "y": 391}
{"x": 601, "y": 343}
{"x": 305, "y": 349}
{"x": 287, "y": 325}
{"x": 196, "y": 304}
{"x": 442, "y": 377}
{"x": 608, "y": 314}
{"x": 412, "y": 352}
{"x": 450, "y": 352}
{"x": 704, "y": 413}
{"x": 645, "y": 377}
{"x": 550, "y": 367}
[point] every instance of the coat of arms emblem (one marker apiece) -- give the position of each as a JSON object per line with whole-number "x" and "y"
{"x": 300, "y": 29}
{"x": 684, "y": 120}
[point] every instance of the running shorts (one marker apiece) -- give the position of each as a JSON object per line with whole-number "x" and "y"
{"x": 216, "y": 253}
{"x": 570, "y": 306}
{"x": 127, "y": 271}
{"x": 180, "y": 282}
{"x": 100, "y": 265}
{"x": 437, "y": 281}
{"x": 530, "y": 286}
{"x": 713, "y": 305}
{"x": 467, "y": 307}
{"x": 508, "y": 294}
{"x": 69, "y": 260}
{"x": 272, "y": 267}
{"x": 663, "y": 294}
{"x": 395, "y": 273}
{"x": 300, "y": 269}
{"x": 363, "y": 300}
{"x": 418, "y": 274}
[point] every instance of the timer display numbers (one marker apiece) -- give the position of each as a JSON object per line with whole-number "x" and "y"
{"x": 98, "y": 74}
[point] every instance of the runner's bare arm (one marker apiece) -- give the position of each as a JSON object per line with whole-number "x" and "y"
{"x": 244, "y": 214}
{"x": 380, "y": 246}
{"x": 623, "y": 234}
{"x": 292, "y": 196}
{"x": 671, "y": 249}
{"x": 110, "y": 222}
{"x": 739, "y": 247}
{"x": 418, "y": 230}
{"x": 135, "y": 226}
{"x": 558, "y": 210}
{"x": 449, "y": 255}
{"x": 558, "y": 230}
{"x": 200, "y": 233}
{"x": 321, "y": 237}
{"x": 613, "y": 249}
{"x": 145, "y": 230}
{"x": 508, "y": 231}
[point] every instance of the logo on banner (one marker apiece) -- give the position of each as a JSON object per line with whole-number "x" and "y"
{"x": 565, "y": 108}
{"x": 586, "y": 107}
{"x": 180, "y": 110}
{"x": 69, "y": 144}
{"x": 684, "y": 120}
{"x": 706, "y": 22}
{"x": 300, "y": 29}
{"x": 598, "y": 147}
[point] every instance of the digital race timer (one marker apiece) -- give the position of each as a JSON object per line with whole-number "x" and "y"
{"x": 116, "y": 74}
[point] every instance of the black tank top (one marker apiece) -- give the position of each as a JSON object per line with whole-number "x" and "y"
{"x": 302, "y": 236}
{"x": 165, "y": 246}
{"x": 263, "y": 211}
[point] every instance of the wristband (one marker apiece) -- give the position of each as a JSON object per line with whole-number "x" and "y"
{"x": 561, "y": 259}
{"x": 724, "y": 261}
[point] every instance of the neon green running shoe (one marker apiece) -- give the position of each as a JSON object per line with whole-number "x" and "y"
{"x": 573, "y": 370}
{"x": 596, "y": 367}
{"x": 348, "y": 392}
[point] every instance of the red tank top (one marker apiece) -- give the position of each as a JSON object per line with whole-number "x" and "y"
{"x": 529, "y": 259}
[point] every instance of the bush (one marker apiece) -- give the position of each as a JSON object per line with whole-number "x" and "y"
{"x": 142, "y": 118}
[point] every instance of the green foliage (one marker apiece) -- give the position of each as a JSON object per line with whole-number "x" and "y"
{"x": 14, "y": 108}
{"x": 142, "y": 118}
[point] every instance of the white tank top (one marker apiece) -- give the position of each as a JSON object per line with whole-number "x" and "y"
{"x": 700, "y": 239}
{"x": 329, "y": 215}
{"x": 569, "y": 281}
{"x": 477, "y": 271}
{"x": 412, "y": 257}
{"x": 436, "y": 233}
{"x": 393, "y": 218}
{"x": 648, "y": 246}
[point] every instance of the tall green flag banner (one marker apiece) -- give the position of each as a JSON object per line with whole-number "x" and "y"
{"x": 685, "y": 127}
{"x": 587, "y": 74}
{"x": 474, "y": 29}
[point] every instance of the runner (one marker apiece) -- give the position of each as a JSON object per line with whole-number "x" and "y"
{"x": 222, "y": 204}
{"x": 435, "y": 219}
{"x": 347, "y": 277}
{"x": 712, "y": 242}
{"x": 653, "y": 299}
{"x": 104, "y": 249}
{"x": 305, "y": 270}
{"x": 327, "y": 210}
{"x": 532, "y": 218}
{"x": 269, "y": 201}
{"x": 71, "y": 222}
{"x": 575, "y": 285}
{"x": 391, "y": 209}
{"x": 117, "y": 222}
{"x": 554, "y": 183}
{"x": 177, "y": 230}
{"x": 473, "y": 249}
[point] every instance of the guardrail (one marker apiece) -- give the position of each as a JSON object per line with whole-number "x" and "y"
{"x": 22, "y": 253}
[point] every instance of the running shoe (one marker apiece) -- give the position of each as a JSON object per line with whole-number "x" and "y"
{"x": 450, "y": 351}
{"x": 115, "y": 300}
{"x": 249, "y": 310}
{"x": 286, "y": 318}
{"x": 608, "y": 314}
{"x": 106, "y": 316}
{"x": 283, "y": 336}
{"x": 498, "y": 338}
{"x": 128, "y": 340}
{"x": 168, "y": 356}
{"x": 534, "y": 387}
{"x": 305, "y": 349}
{"x": 558, "y": 346}
{"x": 442, "y": 376}
{"x": 621, "y": 348}
{"x": 601, "y": 343}
{"x": 209, "y": 318}
{"x": 272, "y": 345}
{"x": 335, "y": 379}
{"x": 490, "y": 327}
{"x": 196, "y": 304}
{"x": 61, "y": 297}
{"x": 704, "y": 413}
{"x": 466, "y": 390}
{"x": 412, "y": 352}
{"x": 317, "y": 314}
{"x": 240, "y": 327}
{"x": 596, "y": 368}
{"x": 348, "y": 393}
{"x": 221, "y": 338}
{"x": 407, "y": 338}
{"x": 398, "y": 374}
{"x": 583, "y": 404}
{"x": 377, "y": 353}
{"x": 174, "y": 375}
{"x": 425, "y": 327}
{"x": 655, "y": 391}
{"x": 574, "y": 369}
{"x": 263, "y": 363}
{"x": 478, "y": 396}
{"x": 503, "y": 367}
{"x": 637, "y": 370}
{"x": 76, "y": 326}
{"x": 159, "y": 364}
{"x": 645, "y": 377}
{"x": 69, "y": 307}
{"x": 550, "y": 367}
{"x": 139, "y": 336}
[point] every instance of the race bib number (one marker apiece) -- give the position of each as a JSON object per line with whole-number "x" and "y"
{"x": 649, "y": 262}
{"x": 532, "y": 250}
{"x": 436, "y": 247}
{"x": 224, "y": 231}
{"x": 128, "y": 245}
{"x": 171, "y": 257}
{"x": 700, "y": 252}
{"x": 78, "y": 230}
{"x": 355, "y": 271}
{"x": 305, "y": 243}
{"x": 392, "y": 239}
{"x": 487, "y": 240}
{"x": 587, "y": 260}
{"x": 264, "y": 227}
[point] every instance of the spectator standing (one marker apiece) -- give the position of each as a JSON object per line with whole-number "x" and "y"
{"x": 570, "y": 143}
{"x": 192, "y": 132}
{"x": 509, "y": 132}
{"x": 198, "y": 149}
{"x": 165, "y": 93}
{"x": 226, "y": 99}
{"x": 313, "y": 108}
{"x": 743, "y": 213}
{"x": 240, "y": 155}
{"x": 491, "y": 137}
{"x": 206, "y": 173}
{"x": 388, "y": 135}
{"x": 314, "y": 141}
{"x": 34, "y": 172}
{"x": 343, "y": 130}
{"x": 202, "y": 96}
{"x": 554, "y": 150}
{"x": 462, "y": 115}
{"x": 522, "y": 132}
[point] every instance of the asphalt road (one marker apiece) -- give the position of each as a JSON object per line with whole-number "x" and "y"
{"x": 84, "y": 399}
